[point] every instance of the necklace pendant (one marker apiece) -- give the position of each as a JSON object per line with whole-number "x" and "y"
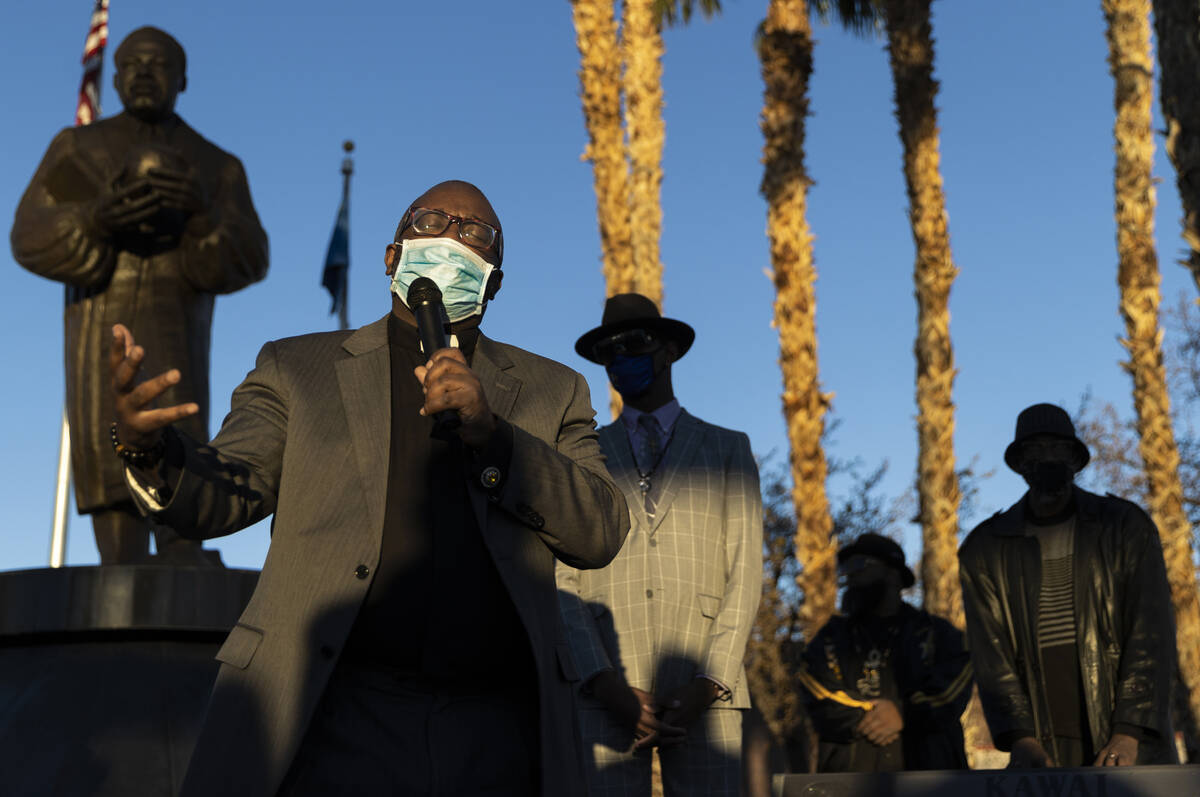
{"x": 644, "y": 484}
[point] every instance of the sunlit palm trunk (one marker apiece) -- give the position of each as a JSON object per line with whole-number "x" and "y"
{"x": 642, "y": 48}
{"x": 910, "y": 47}
{"x": 600, "y": 86}
{"x": 785, "y": 50}
{"x": 910, "y": 52}
{"x": 1131, "y": 62}
{"x": 1177, "y": 23}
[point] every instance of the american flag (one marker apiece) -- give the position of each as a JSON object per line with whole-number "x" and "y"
{"x": 93, "y": 59}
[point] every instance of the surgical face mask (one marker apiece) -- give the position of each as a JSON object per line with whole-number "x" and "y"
{"x": 632, "y": 376}
{"x": 460, "y": 273}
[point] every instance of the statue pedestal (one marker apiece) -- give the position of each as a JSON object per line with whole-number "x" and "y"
{"x": 105, "y": 674}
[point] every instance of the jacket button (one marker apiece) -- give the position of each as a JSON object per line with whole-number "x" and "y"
{"x": 362, "y": 571}
{"x": 653, "y": 543}
{"x": 649, "y": 593}
{"x": 490, "y": 477}
{"x": 326, "y": 652}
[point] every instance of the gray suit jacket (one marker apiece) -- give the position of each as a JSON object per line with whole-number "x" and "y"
{"x": 307, "y": 439}
{"x": 680, "y": 598}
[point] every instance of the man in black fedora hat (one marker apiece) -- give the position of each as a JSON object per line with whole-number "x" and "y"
{"x": 1069, "y": 614}
{"x": 659, "y": 635}
{"x": 885, "y": 682}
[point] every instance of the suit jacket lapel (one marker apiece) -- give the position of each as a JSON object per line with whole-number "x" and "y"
{"x": 685, "y": 440}
{"x": 365, "y": 381}
{"x": 501, "y": 388}
{"x": 614, "y": 441}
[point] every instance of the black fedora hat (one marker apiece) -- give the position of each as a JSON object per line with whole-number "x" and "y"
{"x": 880, "y": 547}
{"x": 1047, "y": 419}
{"x": 626, "y": 311}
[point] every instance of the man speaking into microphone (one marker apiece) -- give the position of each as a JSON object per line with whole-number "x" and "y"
{"x": 404, "y": 636}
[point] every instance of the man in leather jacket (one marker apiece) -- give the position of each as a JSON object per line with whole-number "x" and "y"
{"x": 1069, "y": 617}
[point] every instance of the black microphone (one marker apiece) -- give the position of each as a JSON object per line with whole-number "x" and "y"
{"x": 425, "y": 302}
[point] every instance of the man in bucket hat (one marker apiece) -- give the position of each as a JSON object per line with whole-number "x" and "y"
{"x": 1069, "y": 614}
{"x": 885, "y": 682}
{"x": 659, "y": 635}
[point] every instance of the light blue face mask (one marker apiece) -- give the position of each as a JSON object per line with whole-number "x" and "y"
{"x": 460, "y": 273}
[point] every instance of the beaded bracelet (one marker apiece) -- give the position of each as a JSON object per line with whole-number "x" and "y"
{"x": 137, "y": 457}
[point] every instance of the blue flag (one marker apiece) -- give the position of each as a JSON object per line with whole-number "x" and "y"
{"x": 337, "y": 259}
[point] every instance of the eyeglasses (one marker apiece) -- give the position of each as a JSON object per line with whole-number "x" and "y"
{"x": 426, "y": 221}
{"x": 630, "y": 342}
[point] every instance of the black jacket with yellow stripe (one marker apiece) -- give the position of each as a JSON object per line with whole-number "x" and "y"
{"x": 931, "y": 670}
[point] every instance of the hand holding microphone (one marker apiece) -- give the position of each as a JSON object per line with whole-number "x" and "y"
{"x": 453, "y": 394}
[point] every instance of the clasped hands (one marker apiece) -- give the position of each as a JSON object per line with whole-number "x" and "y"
{"x": 448, "y": 382}
{"x": 654, "y": 721}
{"x": 882, "y": 724}
{"x": 137, "y": 201}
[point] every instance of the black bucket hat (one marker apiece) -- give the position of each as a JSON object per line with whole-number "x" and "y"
{"x": 626, "y": 311}
{"x": 880, "y": 547}
{"x": 1047, "y": 419}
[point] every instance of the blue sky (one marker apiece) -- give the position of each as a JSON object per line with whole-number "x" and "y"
{"x": 489, "y": 92}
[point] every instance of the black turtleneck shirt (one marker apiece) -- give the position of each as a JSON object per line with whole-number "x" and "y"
{"x": 437, "y": 608}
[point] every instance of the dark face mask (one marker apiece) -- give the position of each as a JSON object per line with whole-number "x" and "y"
{"x": 632, "y": 376}
{"x": 1049, "y": 477}
{"x": 863, "y": 600}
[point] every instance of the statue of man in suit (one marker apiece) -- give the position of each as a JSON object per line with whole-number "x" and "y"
{"x": 144, "y": 221}
{"x": 659, "y": 635}
{"x": 405, "y": 629}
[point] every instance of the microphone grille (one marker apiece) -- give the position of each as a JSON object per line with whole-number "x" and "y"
{"x": 423, "y": 291}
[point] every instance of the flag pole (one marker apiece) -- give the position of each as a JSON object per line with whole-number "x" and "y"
{"x": 347, "y": 170}
{"x": 87, "y": 108}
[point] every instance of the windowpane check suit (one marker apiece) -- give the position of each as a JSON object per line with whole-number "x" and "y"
{"x": 677, "y": 602}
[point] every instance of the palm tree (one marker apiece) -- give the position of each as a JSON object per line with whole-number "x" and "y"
{"x": 906, "y": 24}
{"x": 627, "y": 179}
{"x": 641, "y": 51}
{"x": 785, "y": 49}
{"x": 910, "y": 52}
{"x": 600, "y": 83}
{"x": 1177, "y": 26}
{"x": 1131, "y": 63}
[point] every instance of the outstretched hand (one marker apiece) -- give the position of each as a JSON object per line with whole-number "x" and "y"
{"x": 139, "y": 425}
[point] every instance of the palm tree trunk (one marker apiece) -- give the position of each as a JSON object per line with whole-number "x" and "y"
{"x": 600, "y": 84}
{"x": 1131, "y": 63}
{"x": 642, "y": 48}
{"x": 1177, "y": 24}
{"x": 910, "y": 53}
{"x": 910, "y": 50}
{"x": 785, "y": 50}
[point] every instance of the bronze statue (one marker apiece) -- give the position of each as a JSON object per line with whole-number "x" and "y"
{"x": 145, "y": 221}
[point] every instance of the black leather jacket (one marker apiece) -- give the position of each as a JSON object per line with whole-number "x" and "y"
{"x": 1124, "y": 623}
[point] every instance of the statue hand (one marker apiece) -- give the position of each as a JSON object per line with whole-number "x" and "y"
{"x": 180, "y": 190}
{"x": 125, "y": 207}
{"x": 139, "y": 426}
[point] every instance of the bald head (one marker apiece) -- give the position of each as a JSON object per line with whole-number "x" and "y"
{"x": 458, "y": 198}
{"x": 157, "y": 36}
{"x": 151, "y": 71}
